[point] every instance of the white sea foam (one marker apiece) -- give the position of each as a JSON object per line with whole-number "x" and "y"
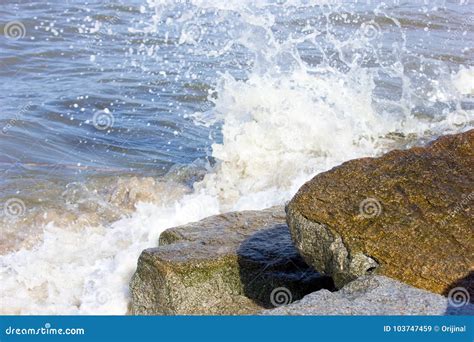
{"x": 279, "y": 129}
{"x": 464, "y": 80}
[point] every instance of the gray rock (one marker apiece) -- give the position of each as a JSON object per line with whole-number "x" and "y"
{"x": 225, "y": 264}
{"x": 373, "y": 295}
{"x": 328, "y": 253}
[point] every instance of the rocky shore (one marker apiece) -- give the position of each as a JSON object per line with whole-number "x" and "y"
{"x": 387, "y": 235}
{"x": 225, "y": 264}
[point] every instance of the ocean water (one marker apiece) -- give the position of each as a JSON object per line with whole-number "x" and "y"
{"x": 120, "y": 119}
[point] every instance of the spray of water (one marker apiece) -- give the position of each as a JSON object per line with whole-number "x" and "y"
{"x": 316, "y": 85}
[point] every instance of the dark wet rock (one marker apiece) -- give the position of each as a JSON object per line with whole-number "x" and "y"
{"x": 224, "y": 264}
{"x": 407, "y": 215}
{"x": 373, "y": 295}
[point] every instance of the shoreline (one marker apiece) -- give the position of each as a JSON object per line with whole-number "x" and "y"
{"x": 132, "y": 228}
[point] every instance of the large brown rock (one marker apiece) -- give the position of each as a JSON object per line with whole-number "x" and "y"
{"x": 407, "y": 215}
{"x": 224, "y": 264}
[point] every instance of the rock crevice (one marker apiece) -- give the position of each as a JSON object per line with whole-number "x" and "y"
{"x": 224, "y": 264}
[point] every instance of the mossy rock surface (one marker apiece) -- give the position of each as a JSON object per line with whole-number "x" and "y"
{"x": 407, "y": 215}
{"x": 224, "y": 264}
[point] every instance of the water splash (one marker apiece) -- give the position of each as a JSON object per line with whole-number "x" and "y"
{"x": 298, "y": 88}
